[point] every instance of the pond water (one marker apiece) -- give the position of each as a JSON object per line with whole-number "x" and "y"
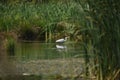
{"x": 37, "y": 60}
{"x": 37, "y": 51}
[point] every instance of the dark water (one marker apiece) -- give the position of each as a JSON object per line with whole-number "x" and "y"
{"x": 35, "y": 61}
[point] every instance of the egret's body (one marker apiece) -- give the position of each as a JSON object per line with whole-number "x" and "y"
{"x": 61, "y": 40}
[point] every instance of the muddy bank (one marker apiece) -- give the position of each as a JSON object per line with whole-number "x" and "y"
{"x": 7, "y": 67}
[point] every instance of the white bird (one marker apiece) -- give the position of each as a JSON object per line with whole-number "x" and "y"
{"x": 62, "y": 40}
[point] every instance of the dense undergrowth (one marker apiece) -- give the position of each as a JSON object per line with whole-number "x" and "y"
{"x": 48, "y": 20}
{"x": 102, "y": 37}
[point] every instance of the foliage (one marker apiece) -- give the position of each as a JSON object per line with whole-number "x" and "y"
{"x": 46, "y": 16}
{"x": 27, "y": 33}
{"x": 102, "y": 33}
{"x": 10, "y": 46}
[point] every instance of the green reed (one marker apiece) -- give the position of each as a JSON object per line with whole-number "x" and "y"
{"x": 10, "y": 46}
{"x": 45, "y": 16}
{"x": 102, "y": 33}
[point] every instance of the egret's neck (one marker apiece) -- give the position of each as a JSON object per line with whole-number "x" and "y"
{"x": 65, "y": 38}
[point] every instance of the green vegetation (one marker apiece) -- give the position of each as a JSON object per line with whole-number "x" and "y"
{"x": 94, "y": 22}
{"x": 10, "y": 46}
{"x": 45, "y": 16}
{"x": 102, "y": 37}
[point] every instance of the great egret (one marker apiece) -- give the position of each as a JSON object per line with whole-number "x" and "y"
{"x": 62, "y": 40}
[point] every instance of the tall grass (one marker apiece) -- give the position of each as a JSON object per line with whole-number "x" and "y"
{"x": 102, "y": 33}
{"x": 10, "y": 46}
{"x": 45, "y": 15}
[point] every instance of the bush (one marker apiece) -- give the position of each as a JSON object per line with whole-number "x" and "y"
{"x": 27, "y": 33}
{"x": 10, "y": 46}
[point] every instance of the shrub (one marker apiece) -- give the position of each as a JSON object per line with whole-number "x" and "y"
{"x": 27, "y": 33}
{"x": 10, "y": 46}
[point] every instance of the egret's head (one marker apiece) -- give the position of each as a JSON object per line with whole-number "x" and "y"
{"x": 66, "y": 37}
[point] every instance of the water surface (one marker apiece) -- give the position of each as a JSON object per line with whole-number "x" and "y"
{"x": 35, "y": 51}
{"x": 44, "y": 59}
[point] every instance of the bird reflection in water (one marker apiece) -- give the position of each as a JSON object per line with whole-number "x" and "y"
{"x": 61, "y": 47}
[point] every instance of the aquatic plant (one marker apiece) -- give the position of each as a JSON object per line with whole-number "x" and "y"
{"x": 27, "y": 33}
{"x": 10, "y": 46}
{"x": 102, "y": 33}
{"x": 45, "y": 16}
